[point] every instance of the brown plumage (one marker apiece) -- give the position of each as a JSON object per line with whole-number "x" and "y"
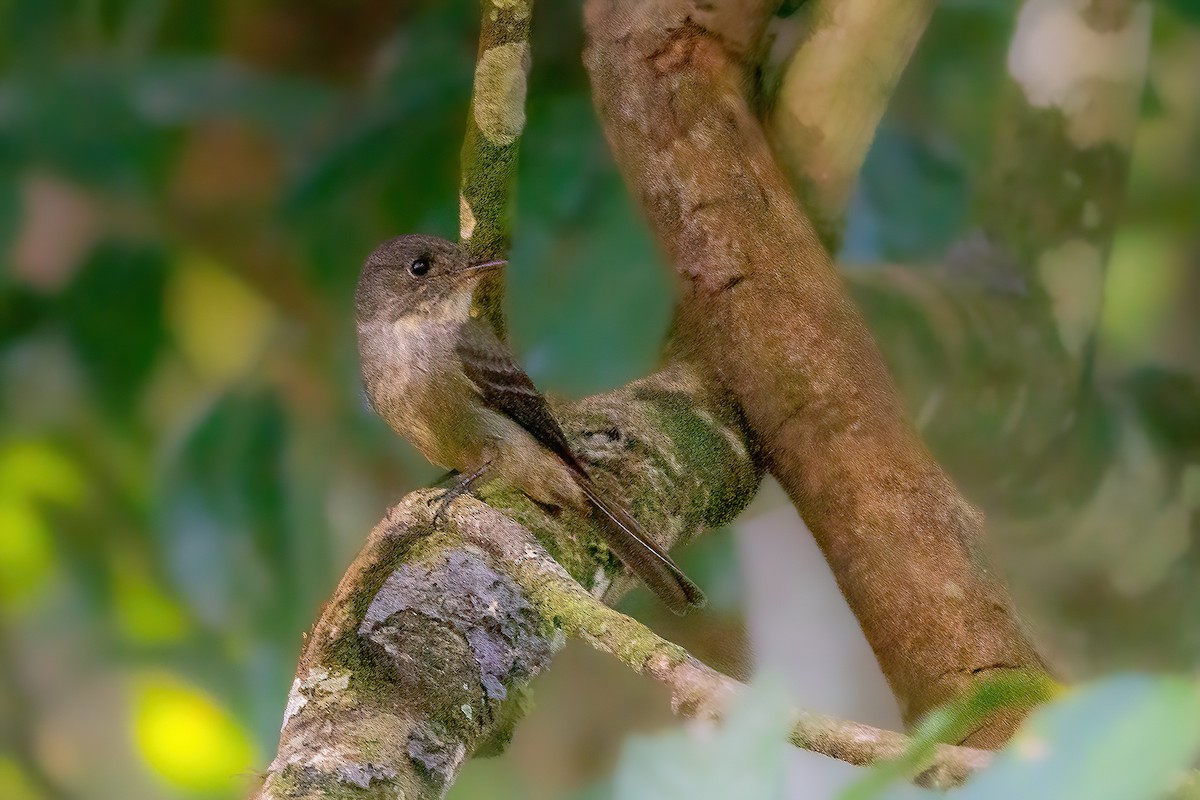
{"x": 447, "y": 383}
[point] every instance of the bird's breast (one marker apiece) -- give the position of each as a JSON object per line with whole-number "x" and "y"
{"x": 414, "y": 381}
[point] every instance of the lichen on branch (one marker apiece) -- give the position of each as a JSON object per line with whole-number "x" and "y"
{"x": 420, "y": 659}
{"x": 494, "y": 124}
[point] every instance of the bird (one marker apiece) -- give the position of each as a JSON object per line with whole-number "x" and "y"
{"x": 442, "y": 378}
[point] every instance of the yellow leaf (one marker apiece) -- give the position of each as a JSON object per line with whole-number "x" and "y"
{"x": 186, "y": 738}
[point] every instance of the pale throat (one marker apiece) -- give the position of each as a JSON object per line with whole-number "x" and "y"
{"x": 453, "y": 307}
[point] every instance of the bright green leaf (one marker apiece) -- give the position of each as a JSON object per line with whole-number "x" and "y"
{"x": 14, "y": 784}
{"x": 36, "y": 470}
{"x": 952, "y": 723}
{"x": 1125, "y": 738}
{"x": 26, "y": 552}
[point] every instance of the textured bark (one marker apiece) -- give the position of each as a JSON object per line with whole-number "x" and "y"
{"x": 419, "y": 660}
{"x": 762, "y": 304}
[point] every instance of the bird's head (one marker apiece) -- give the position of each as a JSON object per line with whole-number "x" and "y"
{"x": 417, "y": 274}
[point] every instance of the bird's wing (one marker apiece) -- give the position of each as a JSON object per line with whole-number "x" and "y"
{"x": 506, "y": 388}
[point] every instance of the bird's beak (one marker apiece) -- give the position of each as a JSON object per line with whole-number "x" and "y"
{"x": 485, "y": 266}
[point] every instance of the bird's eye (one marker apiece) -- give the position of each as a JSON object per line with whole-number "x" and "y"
{"x": 419, "y": 266}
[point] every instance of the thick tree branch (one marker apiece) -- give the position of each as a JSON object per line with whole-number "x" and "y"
{"x": 763, "y": 305}
{"x": 419, "y": 660}
{"x": 834, "y": 91}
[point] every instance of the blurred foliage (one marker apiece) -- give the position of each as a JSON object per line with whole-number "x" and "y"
{"x": 187, "y": 739}
{"x": 744, "y": 758}
{"x": 953, "y": 723}
{"x": 1130, "y": 737}
{"x": 186, "y": 463}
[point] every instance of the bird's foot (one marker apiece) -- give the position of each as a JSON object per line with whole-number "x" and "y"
{"x": 454, "y": 492}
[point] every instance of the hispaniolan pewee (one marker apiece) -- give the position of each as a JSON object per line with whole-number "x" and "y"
{"x": 446, "y": 382}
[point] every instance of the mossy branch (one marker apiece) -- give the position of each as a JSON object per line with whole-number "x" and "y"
{"x": 494, "y": 125}
{"x": 420, "y": 659}
{"x": 700, "y": 692}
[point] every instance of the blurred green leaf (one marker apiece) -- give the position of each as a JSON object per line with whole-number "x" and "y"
{"x": 1188, "y": 9}
{"x": 917, "y": 192}
{"x": 113, "y": 315}
{"x": 742, "y": 759}
{"x": 76, "y": 119}
{"x": 1124, "y": 738}
{"x": 14, "y": 784}
{"x": 951, "y": 724}
{"x": 36, "y": 470}
{"x": 221, "y": 512}
{"x": 26, "y": 552}
{"x": 10, "y": 201}
{"x": 407, "y": 102}
{"x": 583, "y": 258}
{"x": 179, "y": 90}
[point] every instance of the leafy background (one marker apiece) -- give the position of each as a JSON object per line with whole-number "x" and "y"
{"x": 187, "y": 189}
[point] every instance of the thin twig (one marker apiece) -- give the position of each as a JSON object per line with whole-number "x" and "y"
{"x": 697, "y": 690}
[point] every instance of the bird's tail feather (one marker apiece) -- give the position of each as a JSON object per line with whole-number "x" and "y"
{"x": 646, "y": 559}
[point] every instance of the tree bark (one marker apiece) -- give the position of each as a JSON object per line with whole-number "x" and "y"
{"x": 763, "y": 305}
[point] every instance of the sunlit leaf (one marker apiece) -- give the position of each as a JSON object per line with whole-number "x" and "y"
{"x": 186, "y": 738}
{"x": 26, "y": 551}
{"x": 14, "y": 783}
{"x": 220, "y": 323}
{"x": 37, "y": 471}
{"x": 742, "y": 759}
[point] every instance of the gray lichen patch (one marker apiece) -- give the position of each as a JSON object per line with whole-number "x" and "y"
{"x": 485, "y": 607}
{"x": 436, "y": 752}
{"x": 363, "y": 775}
{"x": 316, "y": 682}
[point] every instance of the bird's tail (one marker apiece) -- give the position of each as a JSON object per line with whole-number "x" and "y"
{"x": 625, "y": 538}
